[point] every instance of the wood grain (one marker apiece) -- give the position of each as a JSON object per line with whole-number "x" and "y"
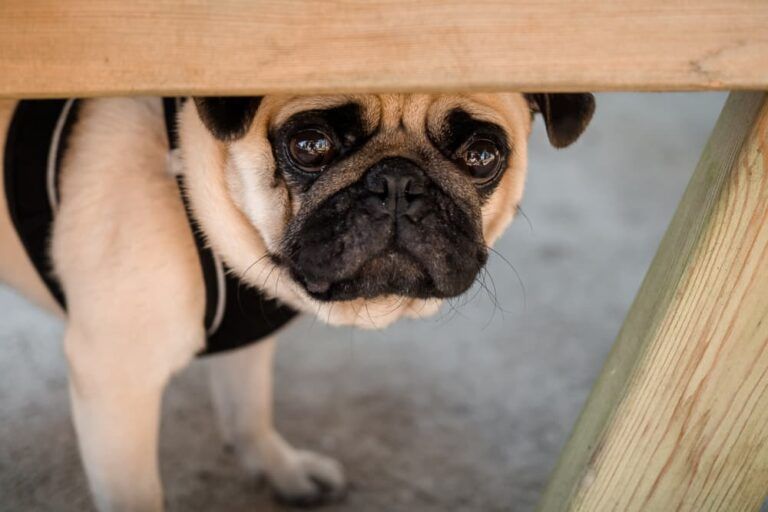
{"x": 83, "y": 48}
{"x": 678, "y": 419}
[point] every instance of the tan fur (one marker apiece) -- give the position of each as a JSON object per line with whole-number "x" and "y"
{"x": 123, "y": 250}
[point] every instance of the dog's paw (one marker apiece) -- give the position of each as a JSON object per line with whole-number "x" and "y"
{"x": 307, "y": 479}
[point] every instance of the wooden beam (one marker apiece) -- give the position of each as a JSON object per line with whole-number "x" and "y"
{"x": 85, "y": 48}
{"x": 678, "y": 418}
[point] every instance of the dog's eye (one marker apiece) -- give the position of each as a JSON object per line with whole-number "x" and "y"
{"x": 481, "y": 158}
{"x": 312, "y": 149}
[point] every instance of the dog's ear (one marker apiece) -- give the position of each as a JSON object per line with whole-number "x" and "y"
{"x": 565, "y": 115}
{"x": 227, "y": 117}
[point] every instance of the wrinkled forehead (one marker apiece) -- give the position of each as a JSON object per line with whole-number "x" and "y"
{"x": 417, "y": 112}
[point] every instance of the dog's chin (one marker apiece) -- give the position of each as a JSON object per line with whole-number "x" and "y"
{"x": 392, "y": 273}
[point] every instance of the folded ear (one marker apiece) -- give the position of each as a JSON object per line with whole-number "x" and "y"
{"x": 565, "y": 115}
{"x": 227, "y": 117}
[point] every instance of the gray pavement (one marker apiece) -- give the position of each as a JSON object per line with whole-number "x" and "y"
{"x": 463, "y": 412}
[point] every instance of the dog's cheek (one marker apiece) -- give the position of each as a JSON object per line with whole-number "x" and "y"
{"x": 497, "y": 213}
{"x": 264, "y": 200}
{"x": 500, "y": 209}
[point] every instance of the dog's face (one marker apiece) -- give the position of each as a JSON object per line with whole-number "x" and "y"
{"x": 371, "y": 198}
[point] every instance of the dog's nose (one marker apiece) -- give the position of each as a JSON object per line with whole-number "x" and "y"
{"x": 398, "y": 184}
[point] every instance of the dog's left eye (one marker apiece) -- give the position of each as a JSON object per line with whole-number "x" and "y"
{"x": 312, "y": 149}
{"x": 481, "y": 158}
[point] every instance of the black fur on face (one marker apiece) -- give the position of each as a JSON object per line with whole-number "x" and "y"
{"x": 392, "y": 214}
{"x": 367, "y": 241}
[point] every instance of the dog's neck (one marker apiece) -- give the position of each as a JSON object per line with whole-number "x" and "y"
{"x": 229, "y": 233}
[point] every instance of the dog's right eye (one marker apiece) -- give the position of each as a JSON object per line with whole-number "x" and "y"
{"x": 312, "y": 149}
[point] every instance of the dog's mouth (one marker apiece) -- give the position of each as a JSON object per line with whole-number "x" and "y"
{"x": 392, "y": 272}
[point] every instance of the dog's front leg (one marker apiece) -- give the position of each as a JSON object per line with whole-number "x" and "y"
{"x": 241, "y": 383}
{"x": 116, "y": 397}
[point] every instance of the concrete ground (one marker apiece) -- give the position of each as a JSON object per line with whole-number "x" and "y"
{"x": 463, "y": 412}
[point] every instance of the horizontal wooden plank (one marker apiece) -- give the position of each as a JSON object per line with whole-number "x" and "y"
{"x": 678, "y": 419}
{"x": 81, "y": 47}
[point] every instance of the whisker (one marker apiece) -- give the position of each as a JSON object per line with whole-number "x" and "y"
{"x": 527, "y": 219}
{"x": 359, "y": 309}
{"x": 277, "y": 281}
{"x": 368, "y": 313}
{"x": 491, "y": 293}
{"x": 397, "y": 305}
{"x": 423, "y": 305}
{"x": 401, "y": 303}
{"x": 248, "y": 269}
{"x": 240, "y": 281}
{"x": 453, "y": 312}
{"x": 517, "y": 274}
{"x": 494, "y": 298}
{"x": 261, "y": 302}
{"x": 316, "y": 315}
{"x": 266, "y": 279}
{"x": 492, "y": 289}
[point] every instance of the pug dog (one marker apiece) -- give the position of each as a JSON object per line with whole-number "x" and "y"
{"x": 358, "y": 209}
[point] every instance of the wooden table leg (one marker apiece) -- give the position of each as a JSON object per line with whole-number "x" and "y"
{"x": 678, "y": 418}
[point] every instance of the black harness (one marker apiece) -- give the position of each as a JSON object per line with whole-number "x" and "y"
{"x": 236, "y": 313}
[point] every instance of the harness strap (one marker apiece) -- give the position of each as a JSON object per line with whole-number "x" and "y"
{"x": 33, "y": 152}
{"x": 236, "y": 313}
